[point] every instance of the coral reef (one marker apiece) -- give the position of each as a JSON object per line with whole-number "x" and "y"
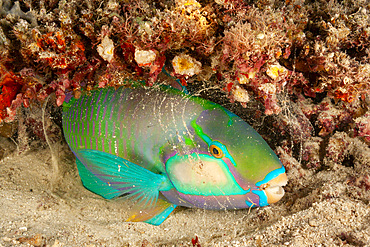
{"x": 254, "y": 50}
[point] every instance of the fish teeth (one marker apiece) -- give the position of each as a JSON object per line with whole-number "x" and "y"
{"x": 274, "y": 193}
{"x": 273, "y": 189}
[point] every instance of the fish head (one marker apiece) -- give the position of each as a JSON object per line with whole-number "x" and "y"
{"x": 230, "y": 165}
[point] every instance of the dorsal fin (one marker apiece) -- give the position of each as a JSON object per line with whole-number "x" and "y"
{"x": 171, "y": 81}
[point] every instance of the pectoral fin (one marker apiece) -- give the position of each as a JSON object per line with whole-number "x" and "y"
{"x": 112, "y": 176}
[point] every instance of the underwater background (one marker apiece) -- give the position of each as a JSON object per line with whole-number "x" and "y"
{"x": 297, "y": 71}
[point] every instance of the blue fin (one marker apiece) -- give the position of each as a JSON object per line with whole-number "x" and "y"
{"x": 175, "y": 82}
{"x": 92, "y": 183}
{"x": 111, "y": 176}
{"x": 153, "y": 215}
{"x": 159, "y": 218}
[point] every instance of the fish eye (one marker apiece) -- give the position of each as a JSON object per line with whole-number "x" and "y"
{"x": 216, "y": 151}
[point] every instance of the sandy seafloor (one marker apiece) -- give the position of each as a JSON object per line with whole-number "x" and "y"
{"x": 323, "y": 209}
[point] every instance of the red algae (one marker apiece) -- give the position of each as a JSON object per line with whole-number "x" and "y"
{"x": 247, "y": 47}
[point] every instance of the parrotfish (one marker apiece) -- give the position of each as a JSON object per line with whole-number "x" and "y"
{"x": 165, "y": 148}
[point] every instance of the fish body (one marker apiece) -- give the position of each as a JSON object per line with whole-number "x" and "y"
{"x": 166, "y": 149}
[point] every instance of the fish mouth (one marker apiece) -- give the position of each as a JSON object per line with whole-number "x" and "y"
{"x": 274, "y": 188}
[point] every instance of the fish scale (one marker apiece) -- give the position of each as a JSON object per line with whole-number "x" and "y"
{"x": 165, "y": 148}
{"x": 101, "y": 130}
